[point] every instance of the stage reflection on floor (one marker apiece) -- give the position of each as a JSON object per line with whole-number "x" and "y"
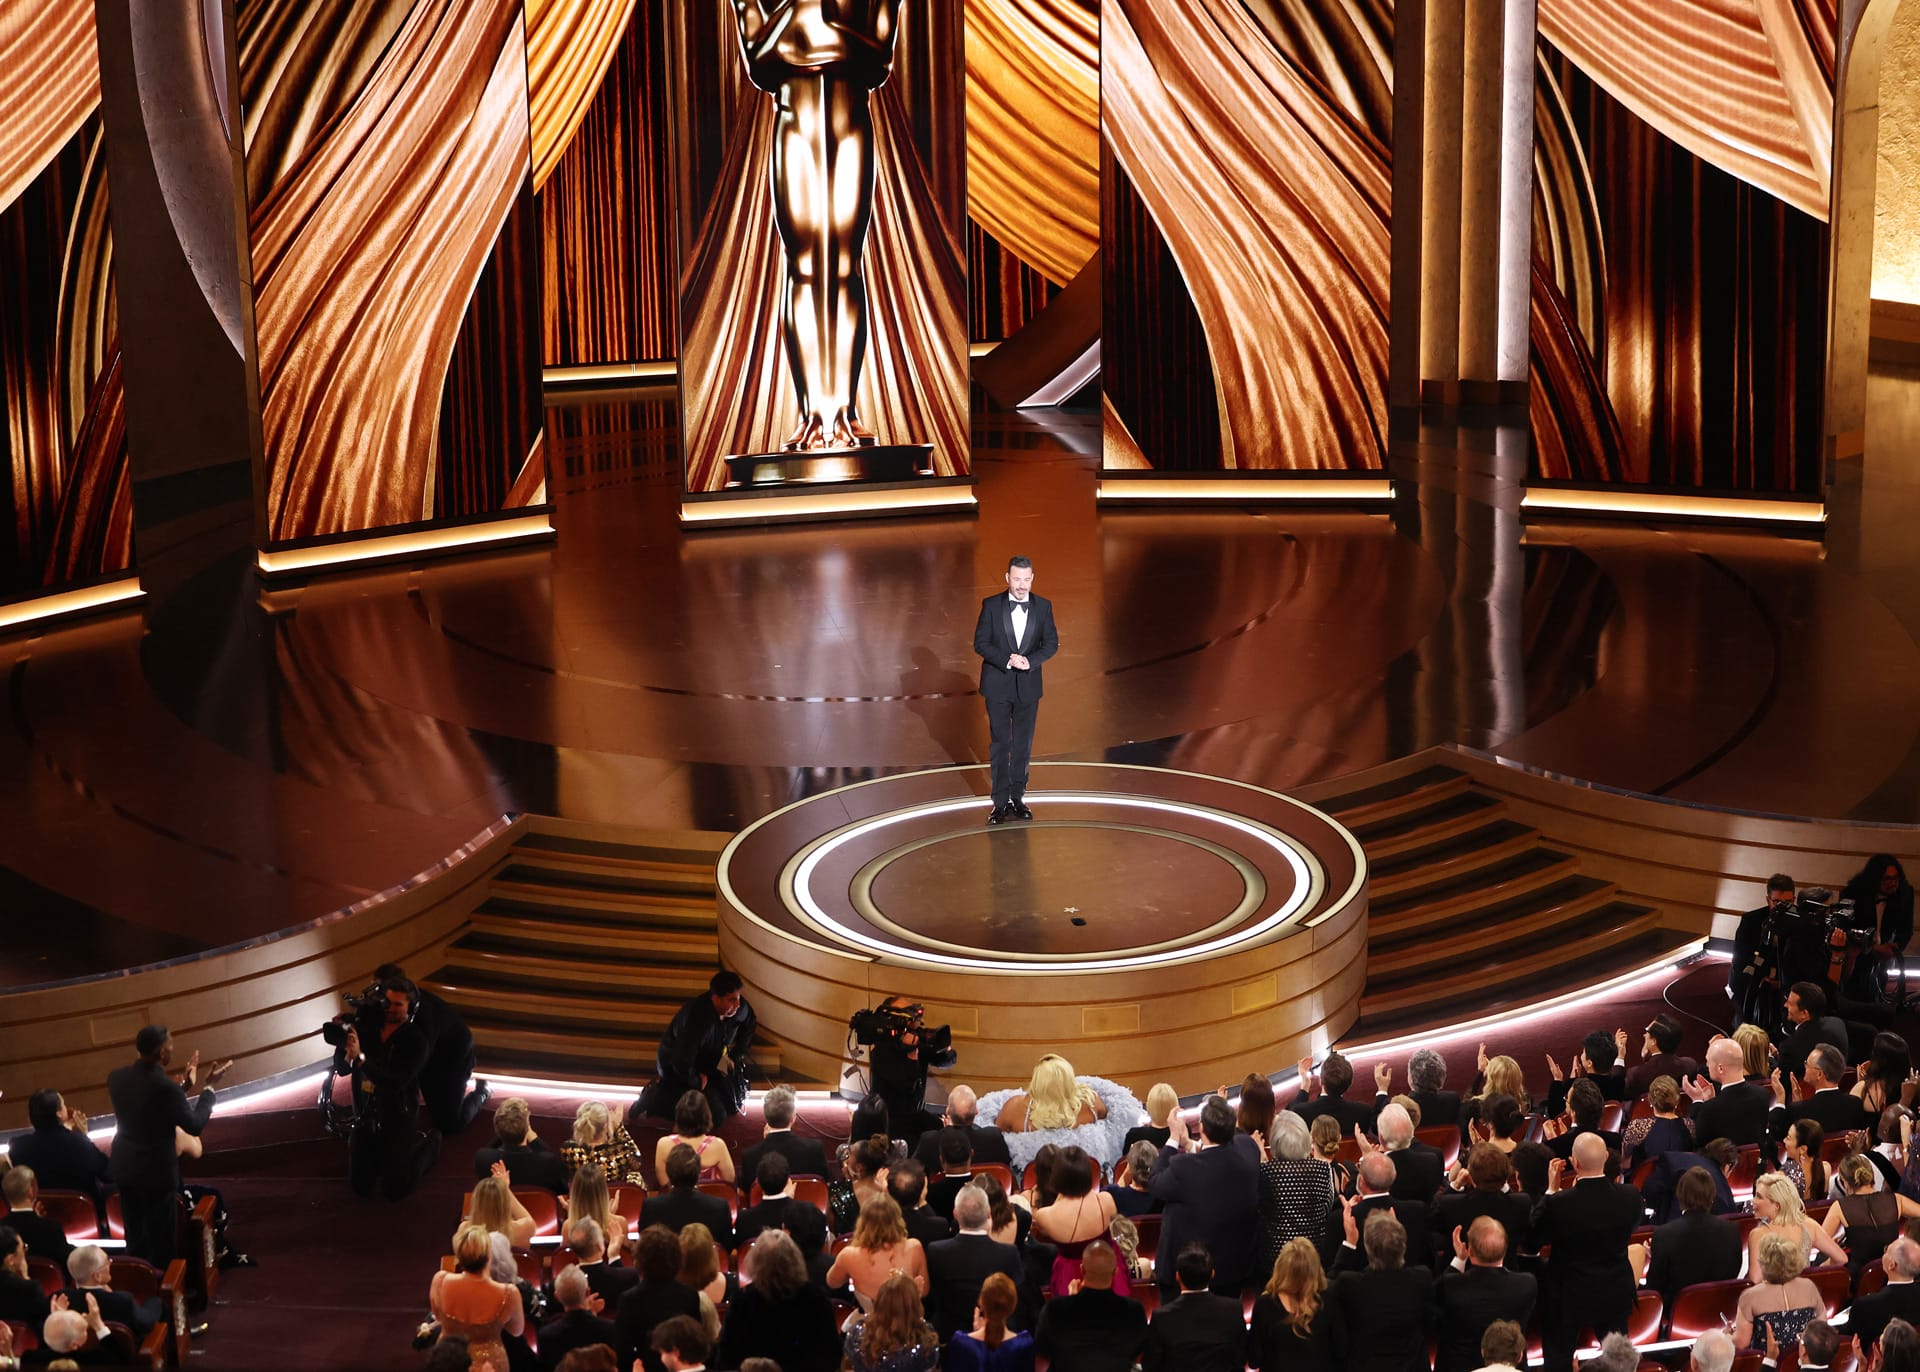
{"x": 234, "y": 763}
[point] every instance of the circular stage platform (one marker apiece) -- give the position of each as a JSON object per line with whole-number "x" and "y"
{"x": 1152, "y": 925}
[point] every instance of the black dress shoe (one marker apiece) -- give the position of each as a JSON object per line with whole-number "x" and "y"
{"x": 1021, "y": 811}
{"x": 1001, "y": 814}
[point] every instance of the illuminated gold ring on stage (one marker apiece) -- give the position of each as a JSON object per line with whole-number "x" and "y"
{"x": 861, "y": 891}
{"x": 795, "y": 878}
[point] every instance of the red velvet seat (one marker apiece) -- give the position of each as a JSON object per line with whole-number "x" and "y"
{"x": 1836, "y": 1287}
{"x": 1703, "y": 1306}
{"x": 628, "y": 1200}
{"x": 1872, "y": 1277}
{"x": 1613, "y": 1117}
{"x": 135, "y": 1276}
{"x": 25, "y": 1337}
{"x": 726, "y": 1191}
{"x": 116, "y": 1218}
{"x": 73, "y": 1212}
{"x": 51, "y": 1276}
{"x": 811, "y": 1189}
{"x": 1746, "y": 1169}
{"x": 1445, "y": 1137}
{"x": 999, "y": 1170}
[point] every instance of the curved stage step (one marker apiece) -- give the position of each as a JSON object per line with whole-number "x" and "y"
{"x": 581, "y": 952}
{"x": 1474, "y": 912}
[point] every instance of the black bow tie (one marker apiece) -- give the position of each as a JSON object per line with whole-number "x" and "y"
{"x": 1019, "y": 604}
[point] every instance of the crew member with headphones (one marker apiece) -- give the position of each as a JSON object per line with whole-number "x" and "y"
{"x": 386, "y": 1052}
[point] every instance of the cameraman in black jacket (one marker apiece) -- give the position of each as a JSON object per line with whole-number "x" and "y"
{"x": 385, "y": 1051}
{"x": 900, "y": 1051}
{"x": 450, "y": 1058}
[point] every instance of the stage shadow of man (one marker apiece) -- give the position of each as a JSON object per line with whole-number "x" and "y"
{"x": 947, "y": 704}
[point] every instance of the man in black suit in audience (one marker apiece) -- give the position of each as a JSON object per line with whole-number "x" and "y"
{"x": 805, "y": 1157}
{"x": 1717, "y": 1157}
{"x": 1210, "y": 1197}
{"x": 1598, "y": 1063}
{"x": 956, "y": 1267}
{"x": 1659, "y": 1056}
{"x": 44, "y": 1237}
{"x": 1899, "y": 1299}
{"x": 1479, "y": 1291}
{"x": 1737, "y": 1110}
{"x": 1585, "y": 1105}
{"x": 1419, "y": 1169}
{"x": 1809, "y": 1024}
{"x": 776, "y": 1200}
{"x": 907, "y": 1184}
{"x": 1091, "y": 1329}
{"x": 1819, "y": 1344}
{"x": 1374, "y": 1191}
{"x": 1335, "y": 1080}
{"x": 963, "y": 1107}
{"x": 92, "y": 1274}
{"x": 1491, "y": 1189}
{"x": 22, "y": 1299}
{"x": 956, "y": 1169}
{"x": 1699, "y": 1246}
{"x": 1199, "y": 1330}
{"x": 658, "y": 1298}
{"x": 1826, "y": 1104}
{"x": 58, "y": 1150}
{"x": 148, "y": 1105}
{"x": 579, "y": 1326}
{"x": 606, "y": 1279}
{"x": 1589, "y": 1280}
{"x": 1426, "y": 1083}
{"x": 681, "y": 1204}
{"x": 529, "y": 1161}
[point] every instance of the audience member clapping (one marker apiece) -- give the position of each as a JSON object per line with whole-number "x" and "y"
{"x": 1385, "y": 1306}
{"x": 1772, "y": 1313}
{"x": 65, "y": 1335}
{"x": 1887, "y": 1077}
{"x": 893, "y": 1335}
{"x": 92, "y": 1273}
{"x": 582, "y": 1321}
{"x": 864, "y": 1163}
{"x": 22, "y": 1299}
{"x": 1488, "y": 1187}
{"x": 1662, "y": 1132}
{"x": 1298, "y": 1199}
{"x": 1327, "y": 1141}
{"x": 657, "y": 1296}
{"x": 610, "y": 1280}
{"x": 1254, "y": 1115}
{"x": 1329, "y": 1091}
{"x": 601, "y": 1140}
{"x": 529, "y": 1161}
{"x": 496, "y": 1210}
{"x": 1293, "y": 1325}
{"x": 1595, "y": 1061}
{"x": 683, "y": 1203}
{"x": 1418, "y": 1168}
{"x": 1131, "y": 1197}
{"x": 1426, "y": 1083}
{"x": 693, "y": 1127}
{"x": 58, "y": 1149}
{"x": 1091, "y": 1329}
{"x": 1589, "y": 1276}
{"x": 1211, "y": 1197}
{"x": 1375, "y": 1194}
{"x": 991, "y": 1345}
{"x": 1480, "y": 1291}
{"x": 588, "y": 1197}
{"x": 778, "y": 1313}
{"x": 879, "y": 1249}
{"x": 470, "y": 1303}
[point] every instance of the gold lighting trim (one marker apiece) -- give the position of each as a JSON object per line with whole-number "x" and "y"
{"x": 570, "y": 45}
{"x": 1033, "y": 129}
{"x": 79, "y": 601}
{"x": 1714, "y": 508}
{"x": 1244, "y": 490}
{"x": 826, "y": 505}
{"x": 463, "y": 538}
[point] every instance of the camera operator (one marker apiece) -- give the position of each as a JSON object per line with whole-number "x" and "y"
{"x": 1754, "y": 981}
{"x": 1883, "y": 901}
{"x": 900, "y": 1052}
{"x": 704, "y": 1049}
{"x": 450, "y": 1059}
{"x": 382, "y": 1046}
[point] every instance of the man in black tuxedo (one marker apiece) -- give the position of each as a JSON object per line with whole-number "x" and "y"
{"x": 956, "y": 1171}
{"x": 1489, "y": 1174}
{"x": 956, "y": 1267}
{"x": 1014, "y": 638}
{"x": 1374, "y": 1191}
{"x": 22, "y": 1299}
{"x": 1479, "y": 1291}
{"x": 907, "y": 1184}
{"x": 704, "y": 1049}
{"x": 92, "y": 1274}
{"x": 579, "y": 1327}
{"x": 1200, "y": 1330}
{"x": 58, "y": 1150}
{"x": 1091, "y": 1329}
{"x": 1659, "y": 1056}
{"x": 1834, "y": 1110}
{"x": 682, "y": 1204}
{"x": 1210, "y": 1197}
{"x": 450, "y": 1058}
{"x": 1336, "y": 1079}
{"x": 656, "y": 1299}
{"x": 1717, "y": 1157}
{"x": 528, "y": 1159}
{"x": 1598, "y": 1065}
{"x": 1809, "y": 1024}
{"x": 1737, "y": 1111}
{"x": 1426, "y": 1083}
{"x": 1418, "y": 1168}
{"x": 1899, "y": 1299}
{"x": 1589, "y": 1280}
{"x": 44, "y": 1237}
{"x": 148, "y": 1105}
{"x": 776, "y": 1199}
{"x": 805, "y": 1157}
{"x": 963, "y": 1108}
{"x": 607, "y": 1280}
{"x": 1697, "y": 1247}
{"x": 1585, "y": 1105}
{"x": 1755, "y": 967}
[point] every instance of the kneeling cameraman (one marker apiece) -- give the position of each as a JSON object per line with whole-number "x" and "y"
{"x": 450, "y": 1058}
{"x": 379, "y": 1043}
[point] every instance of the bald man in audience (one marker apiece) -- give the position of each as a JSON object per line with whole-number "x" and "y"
{"x": 1899, "y": 1299}
{"x": 1727, "y": 1105}
{"x": 1590, "y": 1282}
{"x": 963, "y": 1107}
{"x": 1712, "y": 1352}
{"x": 1090, "y": 1329}
{"x": 1419, "y": 1169}
{"x": 1374, "y": 1188}
{"x": 1478, "y": 1292}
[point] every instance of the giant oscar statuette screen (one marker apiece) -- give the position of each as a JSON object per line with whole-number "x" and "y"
{"x": 822, "y": 197}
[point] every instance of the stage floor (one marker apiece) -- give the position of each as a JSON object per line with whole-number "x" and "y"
{"x": 238, "y": 763}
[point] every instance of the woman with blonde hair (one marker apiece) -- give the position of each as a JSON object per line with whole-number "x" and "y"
{"x": 1781, "y": 1301}
{"x": 1162, "y": 1101}
{"x": 1871, "y": 1219}
{"x": 693, "y": 1126}
{"x": 1755, "y": 1051}
{"x": 1776, "y": 1203}
{"x": 495, "y": 1209}
{"x": 1054, "y": 1099}
{"x": 700, "y": 1269}
{"x": 599, "y": 1139}
{"x": 1293, "y": 1326}
{"x": 470, "y": 1303}
{"x": 589, "y": 1198}
{"x": 1505, "y": 1079}
{"x": 894, "y": 1335}
{"x": 879, "y": 1249}
{"x": 990, "y": 1346}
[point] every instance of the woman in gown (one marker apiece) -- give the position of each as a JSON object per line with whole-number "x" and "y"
{"x": 471, "y": 1304}
{"x": 1059, "y": 1108}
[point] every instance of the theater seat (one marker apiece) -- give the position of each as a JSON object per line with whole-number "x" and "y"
{"x": 542, "y": 1204}
{"x": 628, "y": 1200}
{"x": 1872, "y": 1277}
{"x": 1613, "y": 1117}
{"x": 1746, "y": 1169}
{"x": 73, "y": 1212}
{"x": 1835, "y": 1285}
{"x": 999, "y": 1170}
{"x": 725, "y": 1190}
{"x": 1445, "y": 1137}
{"x": 810, "y": 1189}
{"x": 25, "y": 1337}
{"x": 50, "y": 1274}
{"x": 1703, "y": 1306}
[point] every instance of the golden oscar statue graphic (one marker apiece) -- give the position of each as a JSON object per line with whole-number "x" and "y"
{"x": 821, "y": 61}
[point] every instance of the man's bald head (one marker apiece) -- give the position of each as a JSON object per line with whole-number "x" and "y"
{"x": 1487, "y": 1241}
{"x": 1724, "y": 1057}
{"x": 1590, "y": 1155}
{"x": 1377, "y": 1173}
{"x": 65, "y": 1331}
{"x": 1097, "y": 1266}
{"x": 962, "y": 1106}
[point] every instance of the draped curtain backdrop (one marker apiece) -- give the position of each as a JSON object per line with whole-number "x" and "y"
{"x": 1246, "y": 249}
{"x": 396, "y": 275}
{"x": 65, "y": 439}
